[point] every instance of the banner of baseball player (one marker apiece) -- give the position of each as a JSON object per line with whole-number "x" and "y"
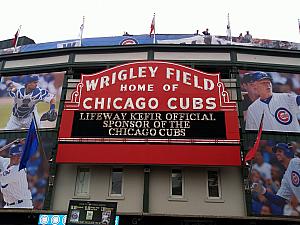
{"x": 25, "y": 188}
{"x": 23, "y": 95}
{"x": 150, "y": 102}
{"x": 274, "y": 94}
{"x": 275, "y": 179}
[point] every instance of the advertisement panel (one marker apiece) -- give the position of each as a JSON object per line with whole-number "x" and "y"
{"x": 275, "y": 179}
{"x": 25, "y": 188}
{"x": 91, "y": 212}
{"x": 153, "y": 102}
{"x": 272, "y": 94}
{"x": 23, "y": 95}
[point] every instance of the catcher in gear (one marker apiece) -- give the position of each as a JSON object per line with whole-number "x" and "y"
{"x": 25, "y": 98}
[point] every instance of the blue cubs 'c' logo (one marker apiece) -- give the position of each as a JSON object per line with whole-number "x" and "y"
{"x": 283, "y": 116}
{"x": 44, "y": 219}
{"x": 295, "y": 178}
{"x": 129, "y": 41}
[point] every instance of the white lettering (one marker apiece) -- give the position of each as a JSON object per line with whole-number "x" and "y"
{"x": 211, "y": 103}
{"x": 208, "y": 84}
{"x": 91, "y": 84}
{"x": 85, "y": 105}
{"x": 104, "y": 81}
{"x": 153, "y": 71}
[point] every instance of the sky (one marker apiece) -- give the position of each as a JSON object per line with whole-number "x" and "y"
{"x": 56, "y": 20}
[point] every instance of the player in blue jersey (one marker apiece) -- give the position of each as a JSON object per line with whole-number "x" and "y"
{"x": 280, "y": 110}
{"x": 290, "y": 183}
{"x": 13, "y": 182}
{"x": 25, "y": 100}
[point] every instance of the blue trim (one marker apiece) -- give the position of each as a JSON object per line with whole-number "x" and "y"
{"x": 298, "y": 100}
{"x": 52, "y": 106}
{"x": 267, "y": 100}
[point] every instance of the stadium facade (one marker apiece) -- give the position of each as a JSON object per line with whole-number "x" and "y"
{"x": 124, "y": 135}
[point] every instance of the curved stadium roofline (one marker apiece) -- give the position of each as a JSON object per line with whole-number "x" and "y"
{"x": 146, "y": 39}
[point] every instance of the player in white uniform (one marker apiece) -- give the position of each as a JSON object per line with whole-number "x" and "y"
{"x": 290, "y": 183}
{"x": 25, "y": 100}
{"x": 14, "y": 184}
{"x": 280, "y": 109}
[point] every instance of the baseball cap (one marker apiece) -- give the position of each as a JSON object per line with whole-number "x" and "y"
{"x": 257, "y": 76}
{"x": 30, "y": 78}
{"x": 16, "y": 150}
{"x": 286, "y": 149}
{"x": 247, "y": 78}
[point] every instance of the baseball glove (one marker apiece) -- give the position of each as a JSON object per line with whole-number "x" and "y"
{"x": 51, "y": 115}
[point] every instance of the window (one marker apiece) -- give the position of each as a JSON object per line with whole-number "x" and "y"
{"x": 82, "y": 186}
{"x": 213, "y": 184}
{"x": 116, "y": 184}
{"x": 176, "y": 183}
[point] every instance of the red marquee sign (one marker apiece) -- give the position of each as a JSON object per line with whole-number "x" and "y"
{"x": 149, "y": 102}
{"x": 151, "y": 86}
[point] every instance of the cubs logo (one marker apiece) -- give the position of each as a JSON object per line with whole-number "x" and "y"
{"x": 283, "y": 116}
{"x": 64, "y": 219}
{"x": 55, "y": 220}
{"x": 74, "y": 216}
{"x": 6, "y": 172}
{"x": 295, "y": 178}
{"x": 44, "y": 219}
{"x": 129, "y": 41}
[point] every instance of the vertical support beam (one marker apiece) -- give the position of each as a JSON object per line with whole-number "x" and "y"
{"x": 150, "y": 55}
{"x": 146, "y": 189}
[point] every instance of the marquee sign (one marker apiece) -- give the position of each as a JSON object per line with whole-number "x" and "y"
{"x": 150, "y": 102}
{"x": 151, "y": 86}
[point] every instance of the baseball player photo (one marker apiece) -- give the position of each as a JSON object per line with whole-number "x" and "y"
{"x": 281, "y": 194}
{"x": 14, "y": 184}
{"x": 281, "y": 110}
{"x": 27, "y": 96}
{"x": 250, "y": 93}
{"x": 25, "y": 188}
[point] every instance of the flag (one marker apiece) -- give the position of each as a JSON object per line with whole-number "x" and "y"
{"x": 152, "y": 26}
{"x": 31, "y": 145}
{"x": 14, "y": 41}
{"x": 228, "y": 30}
{"x": 251, "y": 154}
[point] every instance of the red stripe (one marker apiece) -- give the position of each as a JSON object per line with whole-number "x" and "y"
{"x": 149, "y": 154}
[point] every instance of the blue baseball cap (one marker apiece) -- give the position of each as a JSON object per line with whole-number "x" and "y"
{"x": 247, "y": 78}
{"x": 257, "y": 76}
{"x": 286, "y": 149}
{"x": 16, "y": 150}
{"x": 31, "y": 78}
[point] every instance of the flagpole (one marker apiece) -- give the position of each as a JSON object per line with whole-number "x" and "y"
{"x": 17, "y": 38}
{"x": 44, "y": 157}
{"x": 154, "y": 38}
{"x": 81, "y": 31}
{"x": 229, "y": 29}
{"x": 152, "y": 29}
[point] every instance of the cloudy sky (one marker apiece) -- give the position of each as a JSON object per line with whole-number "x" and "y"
{"x": 46, "y": 21}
